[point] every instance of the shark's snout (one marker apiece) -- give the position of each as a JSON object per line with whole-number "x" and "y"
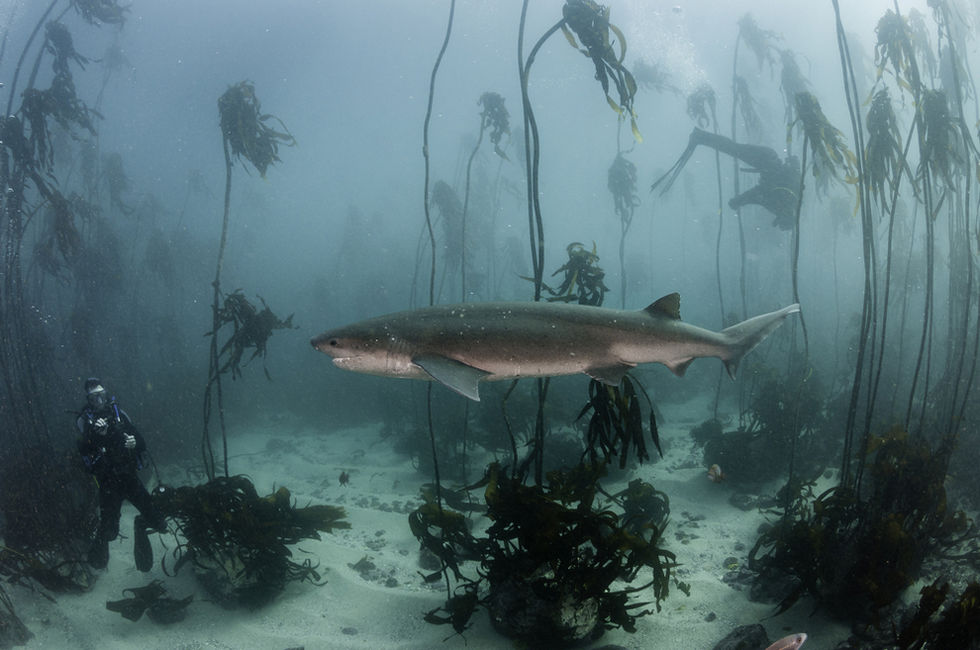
{"x": 323, "y": 343}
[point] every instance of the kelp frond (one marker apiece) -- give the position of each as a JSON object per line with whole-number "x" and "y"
{"x": 747, "y": 107}
{"x": 831, "y": 157}
{"x": 701, "y": 106}
{"x": 583, "y": 280}
{"x": 791, "y": 83}
{"x": 590, "y": 22}
{"x": 894, "y": 47}
{"x": 940, "y": 141}
{"x": 884, "y": 159}
{"x": 622, "y": 184}
{"x": 759, "y": 40}
{"x": 244, "y": 127}
{"x": 495, "y": 117}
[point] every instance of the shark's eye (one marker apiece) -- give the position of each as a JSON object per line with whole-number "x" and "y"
{"x": 333, "y": 343}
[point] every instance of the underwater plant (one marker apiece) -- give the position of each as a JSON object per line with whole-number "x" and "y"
{"x": 590, "y": 22}
{"x": 701, "y": 105}
{"x": 785, "y": 417}
{"x": 444, "y": 197}
{"x": 791, "y": 83}
{"x": 616, "y": 423}
{"x": 759, "y": 40}
{"x": 551, "y": 556}
{"x": 621, "y": 181}
{"x": 583, "y": 277}
{"x": 116, "y": 180}
{"x": 856, "y": 553}
{"x": 244, "y": 128}
{"x": 958, "y": 625}
{"x": 245, "y": 135}
{"x": 884, "y": 158}
{"x": 251, "y": 331}
{"x": 895, "y": 46}
{"x": 746, "y": 104}
{"x": 831, "y": 155}
{"x": 60, "y": 241}
{"x": 494, "y": 117}
{"x": 238, "y": 542}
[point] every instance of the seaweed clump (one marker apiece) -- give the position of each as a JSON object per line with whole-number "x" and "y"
{"x": 958, "y": 626}
{"x": 550, "y": 557}
{"x": 583, "y": 277}
{"x": 238, "y": 542}
{"x": 495, "y": 117}
{"x": 243, "y": 124}
{"x": 781, "y": 421}
{"x": 251, "y": 330}
{"x": 855, "y": 553}
{"x": 590, "y": 22}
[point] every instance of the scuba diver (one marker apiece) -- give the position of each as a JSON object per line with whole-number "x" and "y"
{"x": 779, "y": 181}
{"x": 113, "y": 449}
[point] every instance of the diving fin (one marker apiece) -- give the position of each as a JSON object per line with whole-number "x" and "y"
{"x": 142, "y": 551}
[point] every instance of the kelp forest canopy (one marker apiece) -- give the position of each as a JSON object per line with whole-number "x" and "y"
{"x": 746, "y": 156}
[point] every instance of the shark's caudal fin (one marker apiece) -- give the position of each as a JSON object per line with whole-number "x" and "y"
{"x": 749, "y": 333}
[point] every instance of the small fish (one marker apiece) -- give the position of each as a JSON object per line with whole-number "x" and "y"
{"x": 791, "y": 642}
{"x": 715, "y": 475}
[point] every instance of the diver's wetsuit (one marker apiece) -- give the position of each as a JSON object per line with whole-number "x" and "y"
{"x": 777, "y": 190}
{"x": 114, "y": 467}
{"x": 779, "y": 181}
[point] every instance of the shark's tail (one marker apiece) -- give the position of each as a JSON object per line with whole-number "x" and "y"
{"x": 749, "y": 333}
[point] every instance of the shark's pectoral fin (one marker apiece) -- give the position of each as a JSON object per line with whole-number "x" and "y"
{"x": 455, "y": 375}
{"x": 611, "y": 375}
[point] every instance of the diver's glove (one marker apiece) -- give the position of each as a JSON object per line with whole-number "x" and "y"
{"x": 101, "y": 425}
{"x": 129, "y": 441}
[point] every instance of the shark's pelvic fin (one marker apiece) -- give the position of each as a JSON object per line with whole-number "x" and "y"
{"x": 679, "y": 368}
{"x": 453, "y": 374}
{"x": 610, "y": 375}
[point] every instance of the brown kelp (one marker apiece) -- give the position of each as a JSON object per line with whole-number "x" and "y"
{"x": 856, "y": 554}
{"x": 245, "y": 129}
{"x": 590, "y": 22}
{"x": 621, "y": 181}
{"x": 46, "y": 500}
{"x": 858, "y": 545}
{"x": 551, "y": 556}
{"x": 251, "y": 329}
{"x": 247, "y": 137}
{"x": 238, "y": 542}
{"x": 496, "y": 118}
{"x": 582, "y": 277}
{"x": 957, "y": 625}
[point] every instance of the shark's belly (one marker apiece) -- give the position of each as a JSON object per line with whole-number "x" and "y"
{"x": 549, "y": 358}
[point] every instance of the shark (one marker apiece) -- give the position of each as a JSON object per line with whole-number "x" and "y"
{"x": 461, "y": 345}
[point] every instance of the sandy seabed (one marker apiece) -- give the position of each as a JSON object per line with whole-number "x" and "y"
{"x": 383, "y": 607}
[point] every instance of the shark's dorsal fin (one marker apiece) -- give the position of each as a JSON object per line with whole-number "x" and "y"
{"x": 455, "y": 375}
{"x": 669, "y": 306}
